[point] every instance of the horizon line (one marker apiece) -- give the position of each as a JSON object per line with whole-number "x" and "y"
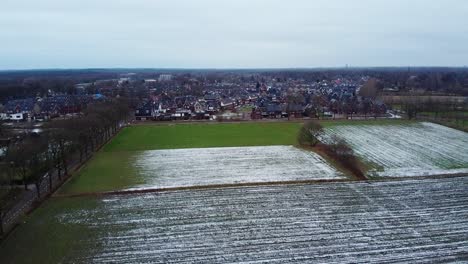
{"x": 225, "y": 68}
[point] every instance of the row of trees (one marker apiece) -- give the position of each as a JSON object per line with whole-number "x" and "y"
{"x": 436, "y": 106}
{"x": 28, "y": 159}
{"x": 335, "y": 148}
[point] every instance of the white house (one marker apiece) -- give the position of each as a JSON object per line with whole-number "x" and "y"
{"x": 4, "y": 116}
{"x": 17, "y": 116}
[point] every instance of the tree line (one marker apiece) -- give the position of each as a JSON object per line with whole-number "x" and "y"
{"x": 312, "y": 135}
{"x": 27, "y": 160}
{"x": 434, "y": 107}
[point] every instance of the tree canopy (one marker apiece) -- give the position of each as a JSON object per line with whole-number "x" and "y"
{"x": 309, "y": 133}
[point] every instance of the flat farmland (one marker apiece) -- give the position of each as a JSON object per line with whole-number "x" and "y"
{"x": 378, "y": 221}
{"x": 414, "y": 149}
{"x": 417, "y": 221}
{"x": 174, "y": 136}
{"x": 169, "y": 168}
{"x": 206, "y": 135}
{"x": 230, "y": 165}
{"x": 159, "y": 156}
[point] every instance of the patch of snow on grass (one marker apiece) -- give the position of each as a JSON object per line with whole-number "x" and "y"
{"x": 408, "y": 150}
{"x": 207, "y": 166}
{"x": 409, "y": 221}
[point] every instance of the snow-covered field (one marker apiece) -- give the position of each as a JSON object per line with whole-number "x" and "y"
{"x": 410, "y": 221}
{"x": 408, "y": 150}
{"x": 206, "y": 166}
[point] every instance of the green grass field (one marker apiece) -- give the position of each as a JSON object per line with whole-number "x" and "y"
{"x": 146, "y": 137}
{"x": 106, "y": 171}
{"x": 172, "y": 136}
{"x": 44, "y": 238}
{"x": 111, "y": 168}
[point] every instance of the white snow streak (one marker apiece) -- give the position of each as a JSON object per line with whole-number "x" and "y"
{"x": 413, "y": 221}
{"x": 408, "y": 150}
{"x": 206, "y": 166}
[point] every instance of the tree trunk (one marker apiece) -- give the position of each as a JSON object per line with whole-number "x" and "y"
{"x": 63, "y": 157}
{"x": 50, "y": 180}
{"x": 38, "y": 189}
{"x": 24, "y": 179}
{"x": 59, "y": 171}
{"x": 1, "y": 222}
{"x": 65, "y": 166}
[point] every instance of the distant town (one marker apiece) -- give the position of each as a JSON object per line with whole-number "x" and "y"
{"x": 234, "y": 95}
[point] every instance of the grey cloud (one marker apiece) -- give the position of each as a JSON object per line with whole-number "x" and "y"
{"x": 241, "y": 33}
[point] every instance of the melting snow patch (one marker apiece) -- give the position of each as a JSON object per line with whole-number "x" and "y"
{"x": 410, "y": 221}
{"x": 206, "y": 166}
{"x": 408, "y": 150}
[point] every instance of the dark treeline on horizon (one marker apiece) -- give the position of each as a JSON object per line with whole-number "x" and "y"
{"x": 16, "y": 84}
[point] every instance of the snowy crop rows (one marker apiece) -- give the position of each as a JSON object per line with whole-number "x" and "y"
{"x": 380, "y": 222}
{"x": 206, "y": 166}
{"x": 408, "y": 150}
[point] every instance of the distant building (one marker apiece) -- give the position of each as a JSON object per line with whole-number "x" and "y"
{"x": 150, "y": 82}
{"x": 165, "y": 77}
{"x": 123, "y": 80}
{"x": 17, "y": 117}
{"x": 145, "y": 111}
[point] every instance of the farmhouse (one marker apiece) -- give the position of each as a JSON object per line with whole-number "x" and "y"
{"x": 17, "y": 117}
{"x": 144, "y": 111}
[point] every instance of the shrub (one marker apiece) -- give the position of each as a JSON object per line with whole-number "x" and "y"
{"x": 309, "y": 134}
{"x": 342, "y": 153}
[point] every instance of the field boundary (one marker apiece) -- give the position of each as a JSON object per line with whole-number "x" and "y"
{"x": 253, "y": 184}
{"x": 266, "y": 121}
{"x": 201, "y": 187}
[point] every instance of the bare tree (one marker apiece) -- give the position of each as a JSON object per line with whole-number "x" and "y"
{"x": 370, "y": 88}
{"x": 309, "y": 133}
{"x": 26, "y": 158}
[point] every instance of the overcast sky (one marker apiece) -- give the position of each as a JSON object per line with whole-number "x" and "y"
{"x": 232, "y": 34}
